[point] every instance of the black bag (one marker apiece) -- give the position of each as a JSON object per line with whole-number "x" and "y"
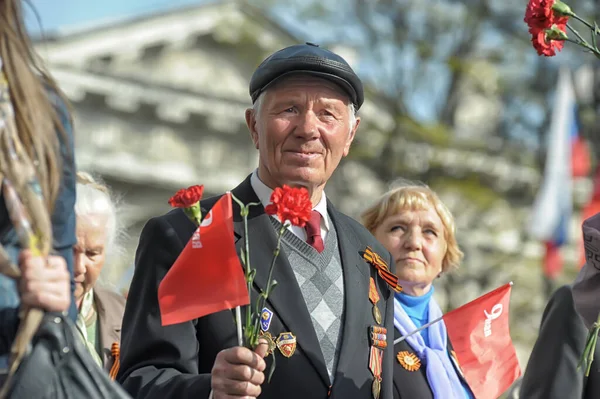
{"x": 59, "y": 366}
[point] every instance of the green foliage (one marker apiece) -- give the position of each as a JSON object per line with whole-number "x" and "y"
{"x": 470, "y": 188}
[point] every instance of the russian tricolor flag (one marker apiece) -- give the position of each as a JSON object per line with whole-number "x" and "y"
{"x": 567, "y": 157}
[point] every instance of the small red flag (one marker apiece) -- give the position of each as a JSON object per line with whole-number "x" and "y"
{"x": 207, "y": 277}
{"x": 480, "y": 337}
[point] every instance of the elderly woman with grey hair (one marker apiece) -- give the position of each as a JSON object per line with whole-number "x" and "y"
{"x": 100, "y": 309}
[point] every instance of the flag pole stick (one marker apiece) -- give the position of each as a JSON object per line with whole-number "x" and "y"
{"x": 424, "y": 326}
{"x": 238, "y": 322}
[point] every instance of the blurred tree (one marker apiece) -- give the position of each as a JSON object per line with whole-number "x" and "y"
{"x": 423, "y": 60}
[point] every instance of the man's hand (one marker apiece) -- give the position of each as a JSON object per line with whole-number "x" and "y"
{"x": 45, "y": 283}
{"x": 238, "y": 372}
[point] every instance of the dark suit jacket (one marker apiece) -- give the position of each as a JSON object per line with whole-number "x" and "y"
{"x": 175, "y": 361}
{"x": 413, "y": 384}
{"x": 552, "y": 368}
{"x": 110, "y": 306}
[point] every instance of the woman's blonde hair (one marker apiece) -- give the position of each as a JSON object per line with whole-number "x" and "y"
{"x": 408, "y": 195}
{"x": 32, "y": 91}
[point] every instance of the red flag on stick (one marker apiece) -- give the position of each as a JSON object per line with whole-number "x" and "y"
{"x": 207, "y": 277}
{"x": 480, "y": 336}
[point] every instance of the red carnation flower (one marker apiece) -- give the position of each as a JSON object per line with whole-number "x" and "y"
{"x": 186, "y": 197}
{"x": 547, "y": 21}
{"x": 545, "y": 43}
{"x": 539, "y": 15}
{"x": 290, "y": 204}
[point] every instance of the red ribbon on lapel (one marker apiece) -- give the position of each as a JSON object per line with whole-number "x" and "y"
{"x": 382, "y": 269}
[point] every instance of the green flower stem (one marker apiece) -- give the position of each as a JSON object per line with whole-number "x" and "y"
{"x": 249, "y": 340}
{"x": 590, "y": 348}
{"x": 264, "y": 295}
{"x": 263, "y": 298}
{"x": 251, "y": 331}
{"x": 582, "y": 42}
{"x": 594, "y": 29}
{"x": 581, "y": 39}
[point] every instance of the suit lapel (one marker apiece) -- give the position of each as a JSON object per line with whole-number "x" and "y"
{"x": 356, "y": 283}
{"x": 286, "y": 299}
{"x": 109, "y": 326}
{"x": 409, "y": 384}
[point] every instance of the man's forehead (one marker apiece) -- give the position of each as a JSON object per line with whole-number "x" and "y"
{"x": 293, "y": 84}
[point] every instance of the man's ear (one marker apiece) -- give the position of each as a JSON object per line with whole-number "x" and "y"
{"x": 251, "y": 123}
{"x": 351, "y": 136}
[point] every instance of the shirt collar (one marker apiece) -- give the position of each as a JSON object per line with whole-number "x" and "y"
{"x": 263, "y": 192}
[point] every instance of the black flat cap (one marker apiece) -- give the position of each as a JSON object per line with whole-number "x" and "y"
{"x": 309, "y": 59}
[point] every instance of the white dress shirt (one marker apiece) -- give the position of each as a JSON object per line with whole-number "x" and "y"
{"x": 263, "y": 192}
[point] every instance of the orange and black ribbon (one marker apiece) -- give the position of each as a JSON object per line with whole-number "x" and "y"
{"x": 382, "y": 269}
{"x": 115, "y": 351}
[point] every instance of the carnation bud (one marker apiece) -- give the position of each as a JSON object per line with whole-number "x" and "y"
{"x": 562, "y": 9}
{"x": 555, "y": 33}
{"x": 194, "y": 213}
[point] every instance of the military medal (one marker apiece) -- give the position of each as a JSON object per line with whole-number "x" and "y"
{"x": 265, "y": 319}
{"x": 374, "y": 298}
{"x": 408, "y": 360}
{"x": 286, "y": 342}
{"x": 375, "y": 360}
{"x": 378, "y": 336}
{"x": 270, "y": 341}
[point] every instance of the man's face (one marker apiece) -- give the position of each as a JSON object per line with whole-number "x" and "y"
{"x": 302, "y": 130}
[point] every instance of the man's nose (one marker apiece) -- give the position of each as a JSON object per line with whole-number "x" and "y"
{"x": 308, "y": 125}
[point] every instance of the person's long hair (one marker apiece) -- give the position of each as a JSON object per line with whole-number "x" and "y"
{"x": 37, "y": 119}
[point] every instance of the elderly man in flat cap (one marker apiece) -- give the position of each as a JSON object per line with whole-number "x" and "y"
{"x": 331, "y": 313}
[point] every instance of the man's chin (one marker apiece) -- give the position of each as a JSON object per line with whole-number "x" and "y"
{"x": 302, "y": 177}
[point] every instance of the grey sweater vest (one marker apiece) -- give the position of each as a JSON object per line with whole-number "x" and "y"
{"x": 321, "y": 282}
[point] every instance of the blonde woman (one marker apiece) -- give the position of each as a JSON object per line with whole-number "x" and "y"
{"x": 418, "y": 230}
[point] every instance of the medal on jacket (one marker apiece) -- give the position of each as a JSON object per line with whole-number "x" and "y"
{"x": 270, "y": 341}
{"x": 375, "y": 361}
{"x": 374, "y": 298}
{"x": 408, "y": 360}
{"x": 286, "y": 342}
{"x": 382, "y": 269}
{"x": 378, "y": 336}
